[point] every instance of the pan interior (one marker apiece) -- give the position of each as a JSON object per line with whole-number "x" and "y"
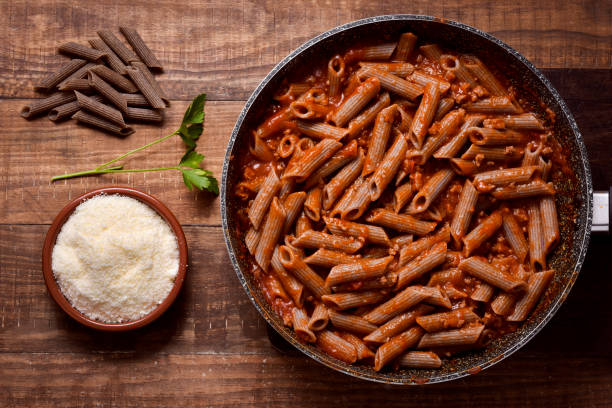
{"x": 573, "y": 198}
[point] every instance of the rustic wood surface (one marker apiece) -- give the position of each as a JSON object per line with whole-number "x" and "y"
{"x": 211, "y": 347}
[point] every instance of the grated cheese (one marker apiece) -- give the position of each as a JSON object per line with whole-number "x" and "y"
{"x": 115, "y": 259}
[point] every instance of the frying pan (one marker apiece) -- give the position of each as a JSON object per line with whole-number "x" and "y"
{"x": 574, "y": 201}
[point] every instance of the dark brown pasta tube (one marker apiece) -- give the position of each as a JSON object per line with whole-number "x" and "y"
{"x": 101, "y": 123}
{"x": 79, "y": 73}
{"x": 74, "y": 84}
{"x": 52, "y": 80}
{"x": 136, "y": 99}
{"x": 113, "y": 60}
{"x": 107, "y": 112}
{"x": 146, "y": 88}
{"x": 43, "y": 105}
{"x": 68, "y": 109}
{"x": 107, "y": 91}
{"x": 81, "y": 51}
{"x": 149, "y": 76}
{"x": 114, "y": 78}
{"x": 147, "y": 115}
{"x": 138, "y": 44}
{"x": 117, "y": 46}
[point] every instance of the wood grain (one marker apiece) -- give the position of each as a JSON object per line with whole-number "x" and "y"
{"x": 236, "y": 45}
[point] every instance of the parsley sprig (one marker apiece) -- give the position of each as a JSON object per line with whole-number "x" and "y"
{"x": 190, "y": 131}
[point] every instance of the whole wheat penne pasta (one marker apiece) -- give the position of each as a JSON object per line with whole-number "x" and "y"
{"x": 422, "y": 264}
{"x": 312, "y": 205}
{"x": 135, "y": 99}
{"x": 396, "y": 325}
{"x": 450, "y": 63}
{"x": 357, "y": 203}
{"x": 107, "y": 91}
{"x": 117, "y": 46}
{"x": 361, "y": 270}
{"x": 374, "y": 52}
{"x": 68, "y": 109}
{"x": 80, "y": 73}
{"x": 453, "y": 276}
{"x": 386, "y": 281}
{"x": 396, "y": 346}
{"x": 287, "y": 145}
{"x": 139, "y": 46}
{"x": 480, "y": 268}
{"x": 274, "y": 290}
{"x": 401, "y": 196}
{"x": 537, "y": 253}
{"x": 401, "y": 302}
{"x": 421, "y": 78}
{"x": 349, "y": 300}
{"x": 355, "y": 102}
{"x": 291, "y": 260}
{"x": 335, "y": 72}
{"x": 532, "y": 155}
{"x": 260, "y": 149}
{"x": 378, "y": 140}
{"x": 73, "y": 84}
{"x": 483, "y": 292}
{"x": 319, "y": 130}
{"x": 447, "y": 127}
{"x": 328, "y": 258}
{"x": 274, "y": 123}
{"x": 146, "y": 115}
{"x": 485, "y": 181}
{"x": 319, "y": 318}
{"x": 300, "y": 326}
{"x": 424, "y": 114}
{"x": 444, "y": 106}
{"x": 41, "y": 106}
{"x": 81, "y": 51}
{"x": 434, "y": 296}
{"x": 149, "y": 92}
{"x": 93, "y": 120}
{"x": 400, "y": 222}
{"x": 544, "y": 167}
{"x": 292, "y": 286}
{"x": 270, "y": 233}
{"x": 392, "y": 83}
{"x": 113, "y": 60}
{"x": 286, "y": 188}
{"x": 537, "y": 284}
{"x": 465, "y": 336}
{"x": 503, "y": 303}
{"x": 388, "y": 167}
{"x": 114, "y": 78}
{"x": 419, "y": 359}
{"x": 336, "y": 346}
{"x": 493, "y": 137}
{"x": 514, "y": 235}
{"x": 447, "y": 320}
{"x": 482, "y": 232}
{"x": 492, "y": 153}
{"x": 311, "y": 160}
{"x": 264, "y": 197}
{"x": 94, "y": 106}
{"x": 411, "y": 251}
{"x": 350, "y": 323}
{"x": 251, "y": 239}
{"x": 531, "y": 189}
{"x": 430, "y": 191}
{"x": 405, "y": 46}
{"x": 431, "y": 51}
{"x": 308, "y": 109}
{"x": 454, "y": 145}
{"x": 64, "y": 72}
{"x": 151, "y": 79}
{"x": 363, "y": 352}
{"x": 464, "y": 211}
{"x": 493, "y": 105}
{"x": 402, "y": 240}
{"x": 401, "y": 69}
{"x": 359, "y": 122}
{"x": 338, "y": 184}
{"x": 550, "y": 223}
{"x": 463, "y": 167}
{"x": 524, "y": 121}
{"x": 370, "y": 233}
{"x": 293, "y": 206}
{"x": 302, "y": 224}
{"x": 337, "y": 161}
{"x": 317, "y": 239}
{"x": 405, "y": 119}
{"x": 482, "y": 73}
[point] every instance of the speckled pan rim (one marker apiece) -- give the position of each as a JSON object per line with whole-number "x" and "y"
{"x": 582, "y": 243}
{"x": 56, "y": 227}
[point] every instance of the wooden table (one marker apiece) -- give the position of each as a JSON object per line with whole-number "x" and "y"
{"x": 211, "y": 347}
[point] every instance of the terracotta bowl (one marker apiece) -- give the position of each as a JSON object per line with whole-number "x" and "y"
{"x": 54, "y": 230}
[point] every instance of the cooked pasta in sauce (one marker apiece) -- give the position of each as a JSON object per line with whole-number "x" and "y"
{"x": 397, "y": 205}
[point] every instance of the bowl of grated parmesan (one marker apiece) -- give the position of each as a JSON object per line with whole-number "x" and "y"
{"x": 115, "y": 258}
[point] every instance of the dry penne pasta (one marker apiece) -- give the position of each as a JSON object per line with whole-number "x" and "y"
{"x": 416, "y": 190}
{"x": 140, "y": 47}
{"x": 81, "y": 51}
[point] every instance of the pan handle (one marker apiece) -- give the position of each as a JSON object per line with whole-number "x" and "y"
{"x": 601, "y": 211}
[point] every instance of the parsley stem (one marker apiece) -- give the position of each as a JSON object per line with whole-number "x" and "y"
{"x": 116, "y": 169}
{"x": 102, "y": 166}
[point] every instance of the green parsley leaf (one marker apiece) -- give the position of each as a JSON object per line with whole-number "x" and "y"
{"x": 192, "y": 159}
{"x": 191, "y": 127}
{"x": 201, "y": 179}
